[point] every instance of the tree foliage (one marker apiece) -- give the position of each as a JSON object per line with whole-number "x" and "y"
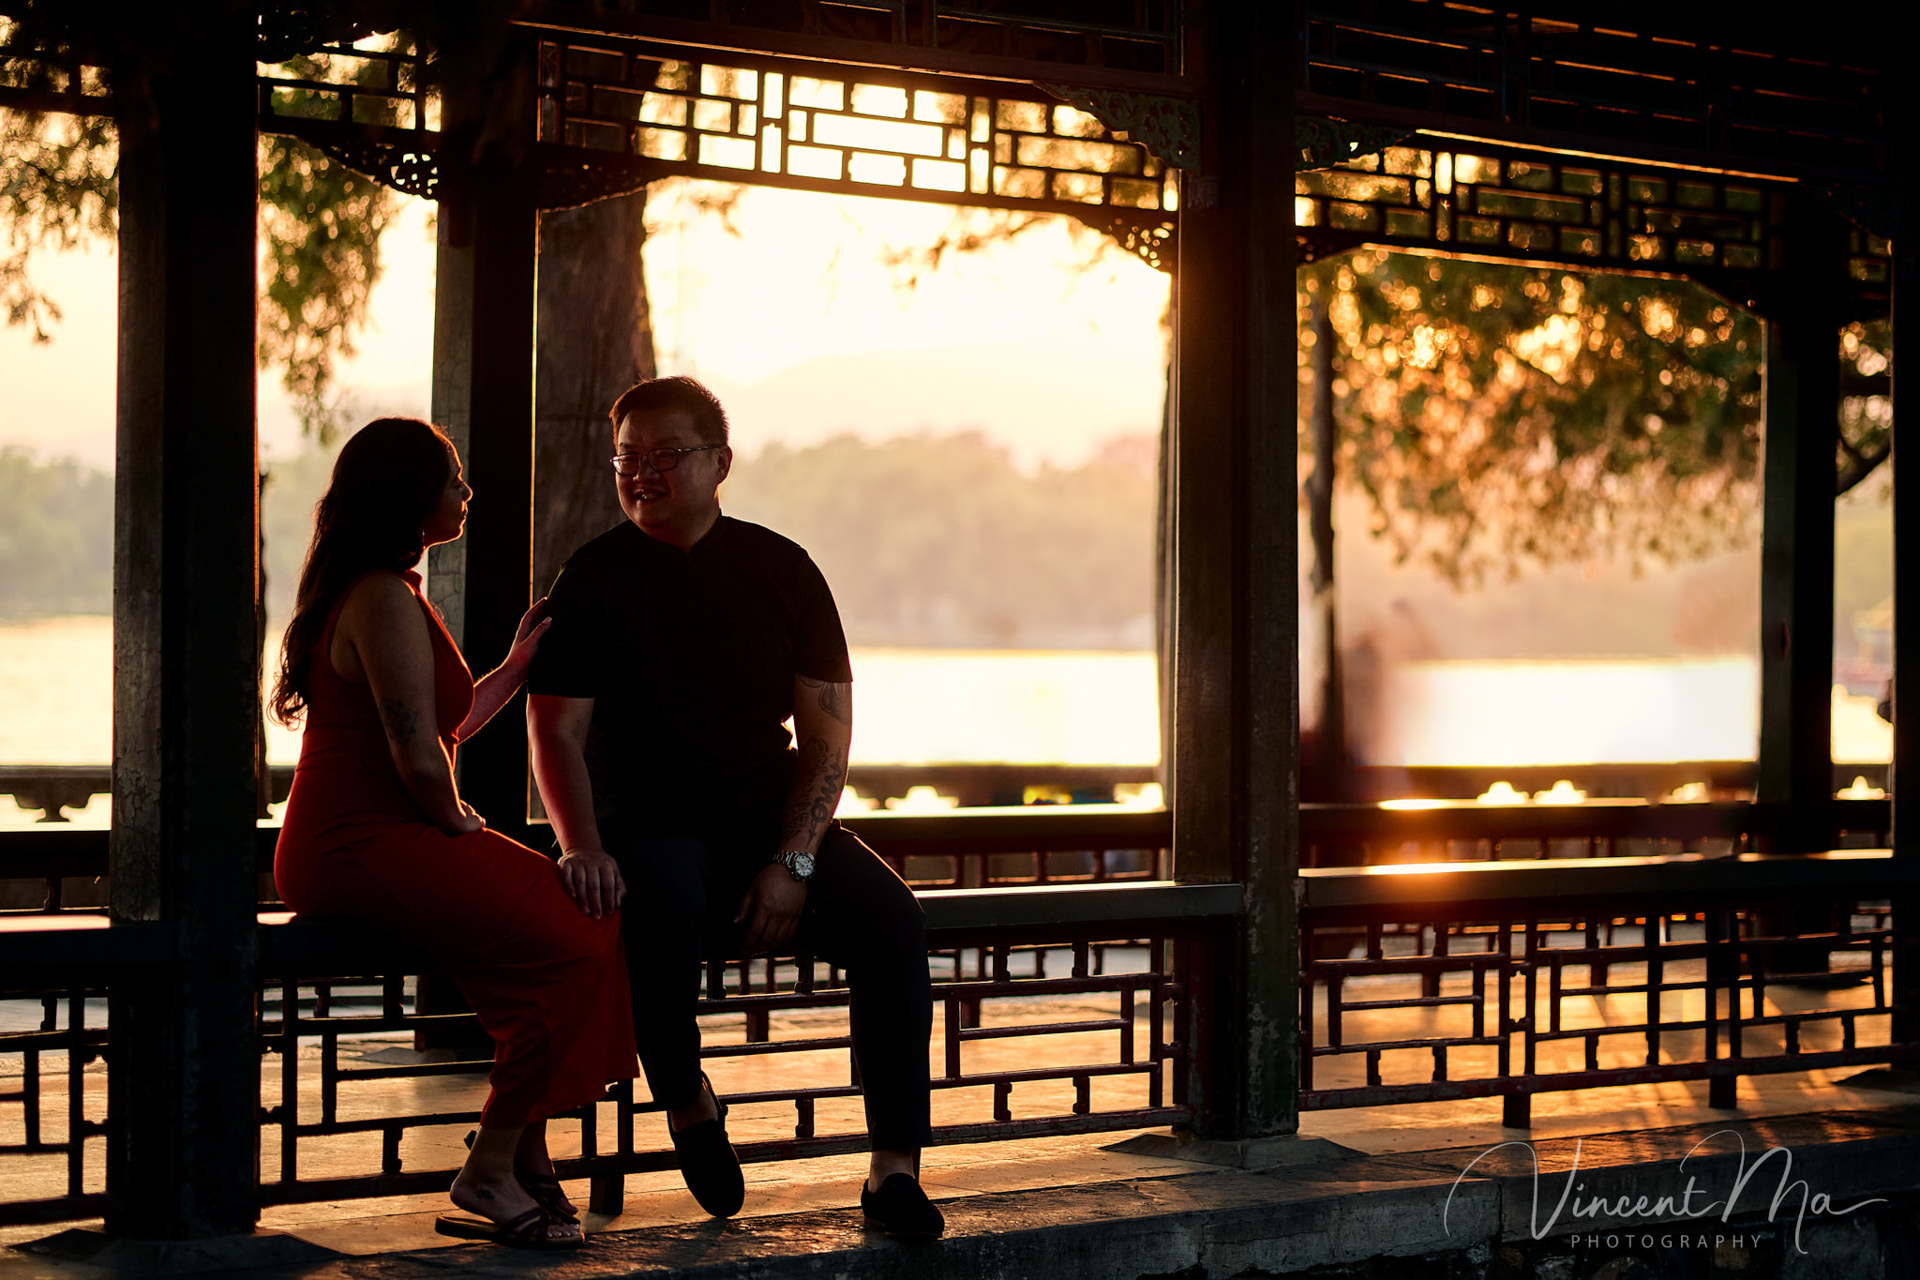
{"x": 58, "y": 189}
{"x": 320, "y": 229}
{"x": 973, "y": 229}
{"x": 1866, "y": 401}
{"x": 1497, "y": 416}
{"x": 320, "y": 223}
{"x": 57, "y": 172}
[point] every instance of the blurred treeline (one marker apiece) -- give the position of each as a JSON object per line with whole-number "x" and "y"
{"x": 928, "y": 541}
{"x": 56, "y": 536}
{"x": 934, "y": 541}
{"x": 292, "y": 486}
{"x": 56, "y": 532}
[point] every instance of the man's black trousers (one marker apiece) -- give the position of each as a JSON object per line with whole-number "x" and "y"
{"x": 682, "y": 894}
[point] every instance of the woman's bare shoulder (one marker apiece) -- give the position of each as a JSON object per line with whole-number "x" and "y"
{"x": 380, "y": 592}
{"x": 380, "y": 613}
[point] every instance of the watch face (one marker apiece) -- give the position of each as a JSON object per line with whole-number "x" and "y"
{"x": 797, "y": 863}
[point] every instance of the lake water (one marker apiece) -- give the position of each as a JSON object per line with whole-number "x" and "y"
{"x": 912, "y": 706}
{"x": 944, "y": 705}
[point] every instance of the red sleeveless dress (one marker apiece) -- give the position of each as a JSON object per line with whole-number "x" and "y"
{"x": 548, "y": 982}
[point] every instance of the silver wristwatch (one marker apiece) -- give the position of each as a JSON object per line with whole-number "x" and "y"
{"x": 798, "y": 862}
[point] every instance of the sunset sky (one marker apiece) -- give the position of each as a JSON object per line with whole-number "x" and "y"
{"x": 795, "y": 321}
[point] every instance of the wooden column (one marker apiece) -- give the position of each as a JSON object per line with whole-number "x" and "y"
{"x": 595, "y": 340}
{"x": 1906, "y": 589}
{"x": 1236, "y": 703}
{"x": 1802, "y": 399}
{"x": 185, "y": 1064}
{"x": 483, "y": 396}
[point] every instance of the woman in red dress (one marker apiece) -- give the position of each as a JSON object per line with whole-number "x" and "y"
{"x": 376, "y": 829}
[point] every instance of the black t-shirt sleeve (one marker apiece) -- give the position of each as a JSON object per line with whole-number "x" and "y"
{"x": 820, "y": 645}
{"x": 569, "y": 662}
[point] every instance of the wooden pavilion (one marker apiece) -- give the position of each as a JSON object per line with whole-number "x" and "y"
{"x": 1223, "y": 142}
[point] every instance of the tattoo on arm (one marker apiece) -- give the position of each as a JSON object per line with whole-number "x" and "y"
{"x": 401, "y": 721}
{"x": 810, "y": 811}
{"x": 832, "y": 698}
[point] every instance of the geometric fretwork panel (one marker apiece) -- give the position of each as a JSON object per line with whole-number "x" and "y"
{"x": 1434, "y": 1007}
{"x": 1543, "y": 207}
{"x": 801, "y": 125}
{"x": 367, "y": 83}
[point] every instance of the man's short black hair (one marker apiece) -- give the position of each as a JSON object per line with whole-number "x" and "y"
{"x": 678, "y": 392}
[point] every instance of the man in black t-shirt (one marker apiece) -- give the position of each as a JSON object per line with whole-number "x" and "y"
{"x": 682, "y": 640}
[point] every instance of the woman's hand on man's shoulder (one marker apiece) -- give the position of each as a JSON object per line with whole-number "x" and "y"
{"x": 534, "y": 624}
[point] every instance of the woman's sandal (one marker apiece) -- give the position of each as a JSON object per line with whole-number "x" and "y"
{"x": 544, "y": 1188}
{"x": 546, "y": 1192}
{"x": 528, "y": 1231}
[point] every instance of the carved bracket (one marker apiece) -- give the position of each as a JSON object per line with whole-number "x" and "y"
{"x": 1152, "y": 242}
{"x": 1168, "y": 127}
{"x": 413, "y": 170}
{"x": 565, "y": 182}
{"x": 1325, "y": 142}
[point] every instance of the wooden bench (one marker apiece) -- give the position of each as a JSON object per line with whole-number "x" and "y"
{"x": 295, "y": 949}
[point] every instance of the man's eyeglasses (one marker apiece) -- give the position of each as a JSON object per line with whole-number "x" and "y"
{"x": 628, "y": 464}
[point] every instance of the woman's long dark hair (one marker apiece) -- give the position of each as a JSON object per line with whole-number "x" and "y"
{"x": 387, "y": 481}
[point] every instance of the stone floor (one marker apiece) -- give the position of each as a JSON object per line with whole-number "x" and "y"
{"x": 1355, "y": 1185}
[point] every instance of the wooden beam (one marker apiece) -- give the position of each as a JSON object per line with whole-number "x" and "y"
{"x": 900, "y": 53}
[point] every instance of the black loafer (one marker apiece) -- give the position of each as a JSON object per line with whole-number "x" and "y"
{"x": 901, "y": 1209}
{"x": 707, "y": 1161}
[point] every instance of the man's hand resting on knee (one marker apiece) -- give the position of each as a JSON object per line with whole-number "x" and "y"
{"x": 771, "y": 909}
{"x": 594, "y": 880}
